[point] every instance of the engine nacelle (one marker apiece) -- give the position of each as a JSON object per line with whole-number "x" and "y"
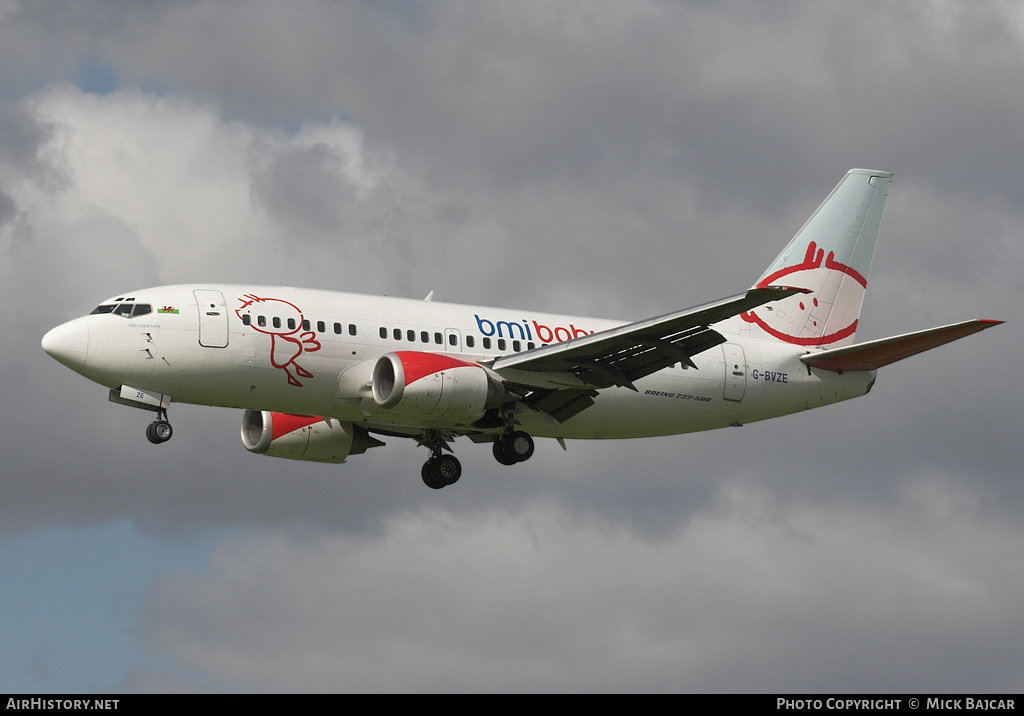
{"x": 303, "y": 437}
{"x": 416, "y": 383}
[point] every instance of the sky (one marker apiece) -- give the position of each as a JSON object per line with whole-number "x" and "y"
{"x": 619, "y": 159}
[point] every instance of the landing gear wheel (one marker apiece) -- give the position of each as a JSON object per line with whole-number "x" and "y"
{"x": 520, "y": 445}
{"x": 159, "y": 431}
{"x": 499, "y": 454}
{"x": 513, "y": 448}
{"x": 427, "y": 473}
{"x": 446, "y": 469}
{"x": 441, "y": 471}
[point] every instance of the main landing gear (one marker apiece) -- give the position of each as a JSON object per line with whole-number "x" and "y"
{"x": 159, "y": 431}
{"x": 440, "y": 470}
{"x": 513, "y": 447}
{"x": 443, "y": 469}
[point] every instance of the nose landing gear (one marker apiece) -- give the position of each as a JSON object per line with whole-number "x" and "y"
{"x": 159, "y": 431}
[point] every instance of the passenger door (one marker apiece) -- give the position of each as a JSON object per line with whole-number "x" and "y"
{"x": 213, "y": 318}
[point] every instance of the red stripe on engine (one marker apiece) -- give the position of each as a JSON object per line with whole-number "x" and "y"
{"x": 284, "y": 423}
{"x": 417, "y": 364}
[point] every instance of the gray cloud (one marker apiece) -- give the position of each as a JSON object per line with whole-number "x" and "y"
{"x": 752, "y": 592}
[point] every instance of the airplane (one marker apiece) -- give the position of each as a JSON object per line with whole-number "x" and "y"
{"x": 323, "y": 375}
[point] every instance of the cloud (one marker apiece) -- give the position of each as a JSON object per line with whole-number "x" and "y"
{"x": 752, "y": 595}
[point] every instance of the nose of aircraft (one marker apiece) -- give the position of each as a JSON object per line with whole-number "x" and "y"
{"x": 69, "y": 343}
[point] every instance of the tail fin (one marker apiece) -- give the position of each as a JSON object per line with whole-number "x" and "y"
{"x": 831, "y": 256}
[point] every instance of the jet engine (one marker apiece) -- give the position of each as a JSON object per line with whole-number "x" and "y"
{"x": 303, "y": 437}
{"x": 417, "y": 383}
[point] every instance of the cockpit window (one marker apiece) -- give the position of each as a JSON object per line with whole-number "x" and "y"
{"x": 125, "y": 310}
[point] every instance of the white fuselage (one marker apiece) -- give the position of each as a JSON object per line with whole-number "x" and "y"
{"x": 248, "y": 347}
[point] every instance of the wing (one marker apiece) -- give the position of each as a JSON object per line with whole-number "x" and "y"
{"x": 562, "y": 379}
{"x": 875, "y": 354}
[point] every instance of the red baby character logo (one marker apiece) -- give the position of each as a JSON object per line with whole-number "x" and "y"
{"x": 280, "y": 320}
{"x": 827, "y": 315}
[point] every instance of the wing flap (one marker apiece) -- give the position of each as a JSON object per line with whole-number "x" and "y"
{"x": 875, "y": 354}
{"x": 561, "y": 404}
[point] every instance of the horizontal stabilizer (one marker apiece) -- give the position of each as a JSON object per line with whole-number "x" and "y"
{"x": 875, "y": 354}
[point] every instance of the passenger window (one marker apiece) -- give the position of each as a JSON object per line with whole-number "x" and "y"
{"x": 383, "y": 332}
{"x": 351, "y": 329}
{"x": 397, "y": 333}
{"x": 291, "y": 324}
{"x": 487, "y": 343}
{"x": 530, "y": 345}
{"x": 424, "y": 337}
{"x": 261, "y": 321}
{"x": 337, "y": 328}
{"x": 438, "y": 339}
{"x": 277, "y": 321}
{"x": 501, "y": 344}
{"x": 321, "y": 327}
{"x": 517, "y": 346}
{"x": 410, "y": 335}
{"x": 246, "y": 319}
{"x": 453, "y": 340}
{"x": 470, "y": 341}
